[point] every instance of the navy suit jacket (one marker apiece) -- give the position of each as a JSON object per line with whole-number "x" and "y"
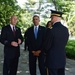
{"x": 54, "y": 46}
{"x": 35, "y": 44}
{"x": 7, "y": 37}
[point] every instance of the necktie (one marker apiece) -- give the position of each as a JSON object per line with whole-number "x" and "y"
{"x": 14, "y": 30}
{"x": 35, "y": 32}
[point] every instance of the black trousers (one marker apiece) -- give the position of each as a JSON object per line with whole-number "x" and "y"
{"x": 60, "y": 71}
{"x": 10, "y": 66}
{"x": 41, "y": 64}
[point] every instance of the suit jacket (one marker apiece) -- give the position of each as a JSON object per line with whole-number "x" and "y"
{"x": 7, "y": 37}
{"x": 54, "y": 46}
{"x": 33, "y": 43}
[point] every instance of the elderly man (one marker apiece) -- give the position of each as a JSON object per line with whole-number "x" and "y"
{"x": 54, "y": 45}
{"x": 11, "y": 38}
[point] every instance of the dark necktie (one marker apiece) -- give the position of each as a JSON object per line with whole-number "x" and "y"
{"x": 14, "y": 30}
{"x": 35, "y": 32}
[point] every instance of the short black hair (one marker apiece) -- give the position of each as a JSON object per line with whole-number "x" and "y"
{"x": 36, "y": 15}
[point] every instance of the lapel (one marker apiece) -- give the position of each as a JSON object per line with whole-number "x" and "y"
{"x": 16, "y": 30}
{"x": 39, "y": 32}
{"x": 32, "y": 32}
{"x": 11, "y": 32}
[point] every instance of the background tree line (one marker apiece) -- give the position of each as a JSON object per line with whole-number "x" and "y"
{"x": 41, "y": 7}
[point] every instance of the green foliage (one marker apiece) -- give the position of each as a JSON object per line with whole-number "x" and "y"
{"x": 26, "y": 21}
{"x": 10, "y": 7}
{"x": 7, "y": 8}
{"x": 67, "y": 6}
{"x": 70, "y": 49}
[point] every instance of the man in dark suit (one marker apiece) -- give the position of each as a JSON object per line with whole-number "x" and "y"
{"x": 54, "y": 45}
{"x": 34, "y": 37}
{"x": 11, "y": 38}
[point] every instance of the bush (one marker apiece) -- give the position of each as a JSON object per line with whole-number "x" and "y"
{"x": 70, "y": 49}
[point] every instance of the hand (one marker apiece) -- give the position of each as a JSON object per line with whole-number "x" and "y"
{"x": 15, "y": 44}
{"x": 33, "y": 52}
{"x": 39, "y": 51}
{"x": 19, "y": 41}
{"x": 36, "y": 53}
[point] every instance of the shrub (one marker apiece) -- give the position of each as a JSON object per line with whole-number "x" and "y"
{"x": 70, "y": 49}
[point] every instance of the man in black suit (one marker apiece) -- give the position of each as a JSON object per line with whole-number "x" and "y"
{"x": 11, "y": 38}
{"x": 34, "y": 37}
{"x": 54, "y": 45}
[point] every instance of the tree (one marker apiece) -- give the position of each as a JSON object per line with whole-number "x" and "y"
{"x": 7, "y": 8}
{"x": 67, "y": 6}
{"x": 41, "y": 7}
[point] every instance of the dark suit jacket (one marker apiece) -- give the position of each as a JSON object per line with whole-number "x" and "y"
{"x": 54, "y": 46}
{"x": 35, "y": 44}
{"x": 7, "y": 37}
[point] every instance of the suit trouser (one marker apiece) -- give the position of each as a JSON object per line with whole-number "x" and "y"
{"x": 10, "y": 66}
{"x": 41, "y": 64}
{"x": 60, "y": 71}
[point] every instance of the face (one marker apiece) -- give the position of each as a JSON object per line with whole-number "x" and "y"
{"x": 49, "y": 24}
{"x": 36, "y": 20}
{"x": 13, "y": 20}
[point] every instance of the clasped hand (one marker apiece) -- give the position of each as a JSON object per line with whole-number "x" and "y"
{"x": 36, "y": 53}
{"x": 15, "y": 44}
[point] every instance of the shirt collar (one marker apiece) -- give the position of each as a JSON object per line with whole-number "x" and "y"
{"x": 36, "y": 26}
{"x": 12, "y": 26}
